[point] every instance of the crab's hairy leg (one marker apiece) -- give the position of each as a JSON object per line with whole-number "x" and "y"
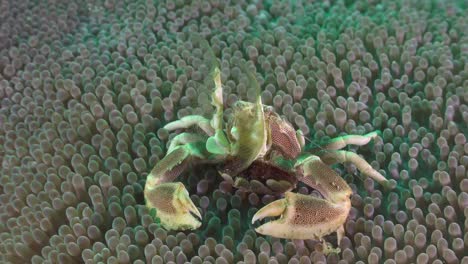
{"x": 189, "y": 121}
{"x": 359, "y": 140}
{"x": 217, "y": 100}
{"x": 215, "y": 76}
{"x": 341, "y": 156}
{"x": 217, "y": 143}
{"x": 170, "y": 199}
{"x": 249, "y": 129}
{"x": 183, "y": 139}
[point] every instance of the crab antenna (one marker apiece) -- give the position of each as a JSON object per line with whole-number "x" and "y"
{"x": 310, "y": 141}
{"x": 314, "y": 145}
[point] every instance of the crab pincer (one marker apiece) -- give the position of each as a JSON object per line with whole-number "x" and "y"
{"x": 174, "y": 207}
{"x": 301, "y": 217}
{"x": 308, "y": 217}
{"x": 171, "y": 200}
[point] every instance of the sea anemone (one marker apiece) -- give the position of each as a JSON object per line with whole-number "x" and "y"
{"x": 86, "y": 87}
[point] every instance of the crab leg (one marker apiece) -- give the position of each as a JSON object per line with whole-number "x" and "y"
{"x": 342, "y": 156}
{"x": 183, "y": 139}
{"x": 341, "y": 142}
{"x": 189, "y": 121}
{"x": 218, "y": 143}
{"x": 330, "y": 154}
{"x": 217, "y": 100}
{"x": 308, "y": 217}
{"x": 249, "y": 130}
{"x": 170, "y": 199}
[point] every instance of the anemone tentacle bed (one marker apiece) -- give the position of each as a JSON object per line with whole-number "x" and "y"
{"x": 87, "y": 86}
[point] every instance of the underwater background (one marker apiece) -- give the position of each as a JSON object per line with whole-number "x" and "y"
{"x": 85, "y": 87}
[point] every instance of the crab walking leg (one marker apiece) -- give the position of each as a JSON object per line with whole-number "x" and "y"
{"x": 342, "y": 156}
{"x": 170, "y": 199}
{"x": 215, "y": 74}
{"x": 183, "y": 139}
{"x": 217, "y": 100}
{"x": 308, "y": 217}
{"x": 189, "y": 121}
{"x": 341, "y": 142}
{"x": 218, "y": 143}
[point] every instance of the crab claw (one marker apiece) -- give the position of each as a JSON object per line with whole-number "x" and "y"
{"x": 302, "y": 217}
{"x": 174, "y": 207}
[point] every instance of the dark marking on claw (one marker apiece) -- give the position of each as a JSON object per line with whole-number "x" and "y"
{"x": 195, "y": 216}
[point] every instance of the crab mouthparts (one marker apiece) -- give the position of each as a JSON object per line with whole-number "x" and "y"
{"x": 275, "y": 178}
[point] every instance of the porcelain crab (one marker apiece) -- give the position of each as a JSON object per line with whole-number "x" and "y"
{"x": 257, "y": 150}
